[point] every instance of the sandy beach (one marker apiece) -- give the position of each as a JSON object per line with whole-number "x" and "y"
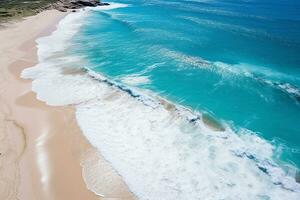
{"x": 43, "y": 154}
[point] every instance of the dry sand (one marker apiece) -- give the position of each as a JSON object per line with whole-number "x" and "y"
{"x": 42, "y": 151}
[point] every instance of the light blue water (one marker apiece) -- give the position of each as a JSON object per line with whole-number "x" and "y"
{"x": 236, "y": 60}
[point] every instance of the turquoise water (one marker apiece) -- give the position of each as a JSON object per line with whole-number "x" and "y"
{"x": 235, "y": 60}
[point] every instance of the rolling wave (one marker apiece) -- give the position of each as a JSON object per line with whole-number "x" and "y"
{"x": 224, "y": 69}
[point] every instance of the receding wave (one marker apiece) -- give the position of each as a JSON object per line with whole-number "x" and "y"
{"x": 159, "y": 148}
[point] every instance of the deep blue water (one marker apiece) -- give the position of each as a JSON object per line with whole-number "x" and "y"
{"x": 237, "y": 60}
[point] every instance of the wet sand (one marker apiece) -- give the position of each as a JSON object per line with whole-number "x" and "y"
{"x": 43, "y": 153}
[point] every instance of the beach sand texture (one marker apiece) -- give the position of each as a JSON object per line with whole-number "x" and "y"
{"x": 42, "y": 151}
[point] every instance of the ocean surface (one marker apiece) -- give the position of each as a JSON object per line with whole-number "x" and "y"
{"x": 186, "y": 99}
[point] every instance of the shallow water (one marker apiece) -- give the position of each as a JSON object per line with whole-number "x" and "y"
{"x": 154, "y": 67}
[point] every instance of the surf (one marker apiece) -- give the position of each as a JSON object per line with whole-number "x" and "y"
{"x": 160, "y": 148}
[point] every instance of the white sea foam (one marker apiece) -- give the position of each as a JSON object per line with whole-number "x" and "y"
{"x": 136, "y": 80}
{"x": 112, "y": 5}
{"x": 139, "y": 78}
{"x": 162, "y": 151}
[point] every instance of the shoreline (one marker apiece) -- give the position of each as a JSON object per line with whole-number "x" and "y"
{"x": 45, "y": 152}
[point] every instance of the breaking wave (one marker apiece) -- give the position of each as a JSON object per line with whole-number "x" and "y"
{"x": 161, "y": 149}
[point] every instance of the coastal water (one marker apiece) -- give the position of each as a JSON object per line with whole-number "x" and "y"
{"x": 186, "y": 99}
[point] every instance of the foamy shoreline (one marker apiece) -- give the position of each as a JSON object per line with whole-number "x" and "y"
{"x": 160, "y": 150}
{"x": 153, "y": 148}
{"x": 42, "y": 148}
